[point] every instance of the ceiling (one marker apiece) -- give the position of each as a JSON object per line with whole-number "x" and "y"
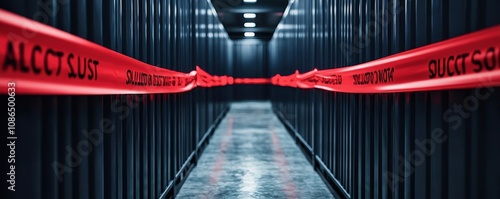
{"x": 268, "y": 15}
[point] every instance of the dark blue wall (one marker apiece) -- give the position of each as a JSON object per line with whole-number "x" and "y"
{"x": 156, "y": 139}
{"x": 250, "y": 61}
{"x": 368, "y": 145}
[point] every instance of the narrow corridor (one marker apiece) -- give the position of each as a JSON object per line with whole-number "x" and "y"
{"x": 251, "y": 155}
{"x": 202, "y": 99}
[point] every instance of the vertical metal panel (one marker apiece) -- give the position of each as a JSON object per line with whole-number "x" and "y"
{"x": 371, "y": 145}
{"x": 155, "y": 139}
{"x": 250, "y": 61}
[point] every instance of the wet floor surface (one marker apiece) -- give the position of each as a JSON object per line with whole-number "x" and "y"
{"x": 252, "y": 156}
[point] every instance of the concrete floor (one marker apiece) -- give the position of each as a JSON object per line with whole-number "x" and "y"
{"x": 252, "y": 156}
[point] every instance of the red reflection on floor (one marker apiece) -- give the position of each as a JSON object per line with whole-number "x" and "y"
{"x": 216, "y": 169}
{"x": 289, "y": 187}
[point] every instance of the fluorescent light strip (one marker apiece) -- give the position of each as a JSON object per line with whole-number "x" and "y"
{"x": 250, "y": 1}
{"x": 249, "y": 24}
{"x": 249, "y": 34}
{"x": 249, "y": 15}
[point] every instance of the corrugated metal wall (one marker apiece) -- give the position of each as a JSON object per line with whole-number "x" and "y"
{"x": 381, "y": 145}
{"x": 63, "y": 151}
{"x": 250, "y": 61}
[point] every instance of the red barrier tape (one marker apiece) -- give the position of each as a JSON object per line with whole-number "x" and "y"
{"x": 206, "y": 80}
{"x": 252, "y": 81}
{"x": 468, "y": 61}
{"x": 43, "y": 60}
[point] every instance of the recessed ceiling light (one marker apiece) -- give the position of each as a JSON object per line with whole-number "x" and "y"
{"x": 249, "y": 24}
{"x": 249, "y": 15}
{"x": 249, "y": 34}
{"x": 249, "y": 1}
